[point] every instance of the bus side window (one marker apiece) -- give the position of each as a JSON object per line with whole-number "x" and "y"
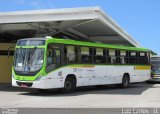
{"x": 133, "y": 57}
{"x": 123, "y": 57}
{"x": 85, "y": 55}
{"x": 70, "y": 54}
{"x": 100, "y": 55}
{"x": 49, "y": 57}
{"x": 143, "y": 58}
{"x": 53, "y": 57}
{"x": 57, "y": 57}
{"x": 112, "y": 55}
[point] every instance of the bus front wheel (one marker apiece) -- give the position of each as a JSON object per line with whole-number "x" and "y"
{"x": 69, "y": 85}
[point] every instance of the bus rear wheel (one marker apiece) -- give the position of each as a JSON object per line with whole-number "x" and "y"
{"x": 125, "y": 81}
{"x": 69, "y": 85}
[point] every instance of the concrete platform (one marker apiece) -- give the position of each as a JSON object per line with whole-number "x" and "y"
{"x": 137, "y": 95}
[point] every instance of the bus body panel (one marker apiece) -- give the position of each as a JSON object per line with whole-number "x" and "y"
{"x": 86, "y": 76}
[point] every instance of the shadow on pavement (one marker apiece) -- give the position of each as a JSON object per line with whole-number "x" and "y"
{"x": 133, "y": 89}
{"x": 9, "y": 88}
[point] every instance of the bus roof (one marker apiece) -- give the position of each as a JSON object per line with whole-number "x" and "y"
{"x": 91, "y": 44}
{"x": 32, "y": 39}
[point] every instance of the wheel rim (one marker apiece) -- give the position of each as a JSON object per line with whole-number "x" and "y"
{"x": 68, "y": 85}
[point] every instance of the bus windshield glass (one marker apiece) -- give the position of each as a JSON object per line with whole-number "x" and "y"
{"x": 29, "y": 59}
{"x": 31, "y": 43}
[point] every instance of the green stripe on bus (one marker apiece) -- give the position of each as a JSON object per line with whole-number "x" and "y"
{"x": 82, "y": 43}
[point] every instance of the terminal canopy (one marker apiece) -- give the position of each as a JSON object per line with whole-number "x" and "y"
{"x": 88, "y": 24}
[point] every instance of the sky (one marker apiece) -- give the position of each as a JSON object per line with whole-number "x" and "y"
{"x": 140, "y": 18}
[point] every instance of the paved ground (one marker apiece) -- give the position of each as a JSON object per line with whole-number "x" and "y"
{"x": 137, "y": 95}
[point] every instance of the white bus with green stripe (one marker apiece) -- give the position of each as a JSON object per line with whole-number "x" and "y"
{"x": 47, "y": 63}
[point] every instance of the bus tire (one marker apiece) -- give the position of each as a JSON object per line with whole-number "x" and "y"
{"x": 125, "y": 81}
{"x": 69, "y": 85}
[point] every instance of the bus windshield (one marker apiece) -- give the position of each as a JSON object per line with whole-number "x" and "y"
{"x": 29, "y": 59}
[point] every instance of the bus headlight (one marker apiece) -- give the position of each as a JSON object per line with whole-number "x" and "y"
{"x": 39, "y": 77}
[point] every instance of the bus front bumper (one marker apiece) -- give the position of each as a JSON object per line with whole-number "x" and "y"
{"x": 29, "y": 84}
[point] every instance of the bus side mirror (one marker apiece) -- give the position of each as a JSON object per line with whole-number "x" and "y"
{"x": 8, "y": 53}
{"x": 9, "y": 50}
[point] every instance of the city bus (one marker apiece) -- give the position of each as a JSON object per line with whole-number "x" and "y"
{"x": 47, "y": 63}
{"x": 155, "y": 63}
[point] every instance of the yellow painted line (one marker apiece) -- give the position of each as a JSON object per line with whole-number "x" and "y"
{"x": 142, "y": 67}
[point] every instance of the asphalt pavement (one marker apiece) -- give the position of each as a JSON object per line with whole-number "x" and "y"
{"x": 105, "y": 98}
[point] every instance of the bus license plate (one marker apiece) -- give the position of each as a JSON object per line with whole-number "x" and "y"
{"x": 23, "y": 85}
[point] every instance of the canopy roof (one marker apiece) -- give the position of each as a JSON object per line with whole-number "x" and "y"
{"x": 87, "y": 24}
